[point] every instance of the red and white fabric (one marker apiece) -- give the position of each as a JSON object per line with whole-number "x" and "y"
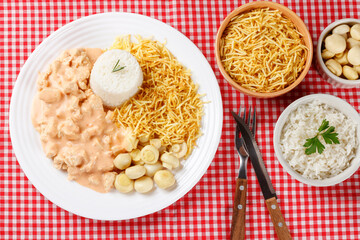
{"x": 205, "y": 212}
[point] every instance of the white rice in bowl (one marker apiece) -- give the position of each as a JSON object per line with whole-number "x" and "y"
{"x": 303, "y": 123}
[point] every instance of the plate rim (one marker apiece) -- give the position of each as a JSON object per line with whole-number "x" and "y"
{"x": 16, "y": 147}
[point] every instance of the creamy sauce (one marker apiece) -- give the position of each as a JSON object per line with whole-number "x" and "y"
{"x": 75, "y": 130}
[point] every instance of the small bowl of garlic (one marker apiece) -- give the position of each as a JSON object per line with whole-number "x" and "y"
{"x": 338, "y": 53}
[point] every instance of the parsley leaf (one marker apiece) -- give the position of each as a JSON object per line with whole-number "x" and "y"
{"x": 314, "y": 144}
{"x": 324, "y": 125}
{"x": 330, "y": 137}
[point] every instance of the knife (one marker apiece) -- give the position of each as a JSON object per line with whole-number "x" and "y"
{"x": 266, "y": 186}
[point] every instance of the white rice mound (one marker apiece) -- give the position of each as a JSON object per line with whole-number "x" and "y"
{"x": 114, "y": 88}
{"x": 303, "y": 123}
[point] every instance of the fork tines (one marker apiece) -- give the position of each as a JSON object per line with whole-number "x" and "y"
{"x": 250, "y": 120}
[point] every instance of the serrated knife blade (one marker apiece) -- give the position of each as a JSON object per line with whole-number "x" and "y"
{"x": 256, "y": 159}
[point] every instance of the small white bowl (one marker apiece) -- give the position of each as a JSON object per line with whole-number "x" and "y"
{"x": 320, "y": 64}
{"x": 334, "y": 102}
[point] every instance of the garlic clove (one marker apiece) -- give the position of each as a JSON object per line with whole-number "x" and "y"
{"x": 341, "y": 29}
{"x": 357, "y": 68}
{"x": 350, "y": 42}
{"x": 342, "y": 58}
{"x": 350, "y": 73}
{"x": 335, "y": 43}
{"x": 326, "y": 54}
{"x": 355, "y": 31}
{"x": 354, "y": 55}
{"x": 334, "y": 67}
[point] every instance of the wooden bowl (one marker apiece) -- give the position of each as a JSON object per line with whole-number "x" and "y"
{"x": 301, "y": 27}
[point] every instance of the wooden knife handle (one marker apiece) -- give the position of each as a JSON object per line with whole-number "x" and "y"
{"x": 239, "y": 210}
{"x": 277, "y": 218}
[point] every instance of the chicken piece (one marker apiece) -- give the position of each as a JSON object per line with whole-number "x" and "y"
{"x": 55, "y": 66}
{"x": 70, "y": 87}
{"x": 50, "y": 95}
{"x": 50, "y": 128}
{"x": 108, "y": 179}
{"x": 59, "y": 162}
{"x": 74, "y": 157}
{"x": 51, "y": 149}
{"x": 90, "y": 164}
{"x": 82, "y": 84}
{"x": 73, "y": 104}
{"x": 106, "y": 140}
{"x": 82, "y": 74}
{"x": 69, "y": 129}
{"x": 72, "y": 173}
{"x": 42, "y": 82}
{"x": 95, "y": 102}
{"x": 94, "y": 179}
{"x": 90, "y": 132}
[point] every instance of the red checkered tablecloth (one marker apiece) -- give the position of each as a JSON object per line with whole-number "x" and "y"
{"x": 205, "y": 212}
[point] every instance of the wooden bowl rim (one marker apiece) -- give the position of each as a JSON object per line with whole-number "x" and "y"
{"x": 299, "y": 24}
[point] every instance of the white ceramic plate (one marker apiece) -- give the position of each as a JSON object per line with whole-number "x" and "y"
{"x": 336, "y": 103}
{"x": 100, "y": 31}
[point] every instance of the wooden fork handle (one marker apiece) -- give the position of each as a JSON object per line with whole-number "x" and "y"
{"x": 277, "y": 219}
{"x": 239, "y": 210}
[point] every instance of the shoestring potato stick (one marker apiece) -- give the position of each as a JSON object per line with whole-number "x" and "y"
{"x": 167, "y": 105}
{"x": 262, "y": 50}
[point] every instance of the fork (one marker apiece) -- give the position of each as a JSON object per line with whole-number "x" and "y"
{"x": 239, "y": 209}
